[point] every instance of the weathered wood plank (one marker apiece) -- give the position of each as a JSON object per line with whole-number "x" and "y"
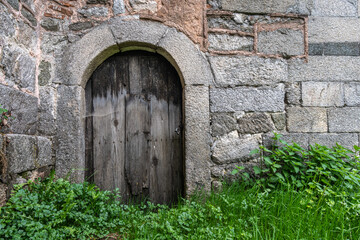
{"x": 89, "y": 161}
{"x": 137, "y": 133}
{"x": 176, "y": 135}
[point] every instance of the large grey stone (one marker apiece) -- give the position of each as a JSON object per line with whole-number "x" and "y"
{"x": 344, "y": 119}
{"x": 197, "y": 135}
{"x": 306, "y": 119}
{"x": 231, "y": 149}
{"x": 118, "y": 7}
{"x": 222, "y": 123}
{"x": 322, "y": 94}
{"x": 69, "y": 139}
{"x": 347, "y": 140}
{"x": 241, "y": 70}
{"x": 262, "y": 99}
{"x": 25, "y": 72}
{"x": 225, "y": 42}
{"x": 335, "y": 8}
{"x": 19, "y": 67}
{"x": 352, "y": 94}
{"x": 8, "y": 23}
{"x": 47, "y": 111}
{"x": 269, "y": 6}
{"x": 94, "y": 12}
{"x": 26, "y": 153}
{"x": 255, "y": 123}
{"x": 333, "y": 29}
{"x": 325, "y": 68}
{"x": 24, "y": 109}
{"x": 286, "y": 42}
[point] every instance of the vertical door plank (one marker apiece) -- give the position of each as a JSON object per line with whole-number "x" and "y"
{"x": 119, "y": 125}
{"x": 137, "y": 132}
{"x": 160, "y": 170}
{"x": 176, "y": 135}
{"x": 89, "y": 161}
{"x": 102, "y": 122}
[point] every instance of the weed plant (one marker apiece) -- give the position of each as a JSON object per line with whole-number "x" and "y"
{"x": 295, "y": 194}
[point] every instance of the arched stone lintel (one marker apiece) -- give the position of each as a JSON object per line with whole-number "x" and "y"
{"x": 82, "y": 57}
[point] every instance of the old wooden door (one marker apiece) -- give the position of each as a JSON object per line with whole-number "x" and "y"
{"x": 133, "y": 127}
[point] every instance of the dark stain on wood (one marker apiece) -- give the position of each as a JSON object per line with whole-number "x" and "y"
{"x": 134, "y": 117}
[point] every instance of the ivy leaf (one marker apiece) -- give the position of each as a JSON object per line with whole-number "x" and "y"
{"x": 257, "y": 170}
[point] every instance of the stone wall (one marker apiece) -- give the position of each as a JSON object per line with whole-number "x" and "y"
{"x": 288, "y": 66}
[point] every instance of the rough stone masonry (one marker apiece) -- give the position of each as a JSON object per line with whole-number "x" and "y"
{"x": 288, "y": 66}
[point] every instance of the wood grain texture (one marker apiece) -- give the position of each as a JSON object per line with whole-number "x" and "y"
{"x": 133, "y": 135}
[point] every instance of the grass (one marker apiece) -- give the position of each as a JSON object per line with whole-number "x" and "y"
{"x": 238, "y": 212}
{"x": 297, "y": 194}
{"x": 248, "y": 213}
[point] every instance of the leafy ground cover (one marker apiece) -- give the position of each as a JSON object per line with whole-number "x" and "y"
{"x": 294, "y": 194}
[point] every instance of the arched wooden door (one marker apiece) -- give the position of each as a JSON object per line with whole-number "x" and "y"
{"x": 133, "y": 127}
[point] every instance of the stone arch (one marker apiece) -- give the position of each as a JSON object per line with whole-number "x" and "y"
{"x": 81, "y": 58}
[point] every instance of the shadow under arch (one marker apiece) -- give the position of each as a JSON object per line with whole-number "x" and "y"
{"x": 81, "y": 58}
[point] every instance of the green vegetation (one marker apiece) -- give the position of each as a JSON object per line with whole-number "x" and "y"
{"x": 295, "y": 194}
{"x": 4, "y": 117}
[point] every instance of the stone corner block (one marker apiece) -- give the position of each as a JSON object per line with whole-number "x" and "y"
{"x": 24, "y": 109}
{"x": 306, "y": 119}
{"x": 197, "y": 135}
{"x": 69, "y": 138}
{"x": 26, "y": 153}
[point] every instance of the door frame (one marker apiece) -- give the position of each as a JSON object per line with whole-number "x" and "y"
{"x": 81, "y": 58}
